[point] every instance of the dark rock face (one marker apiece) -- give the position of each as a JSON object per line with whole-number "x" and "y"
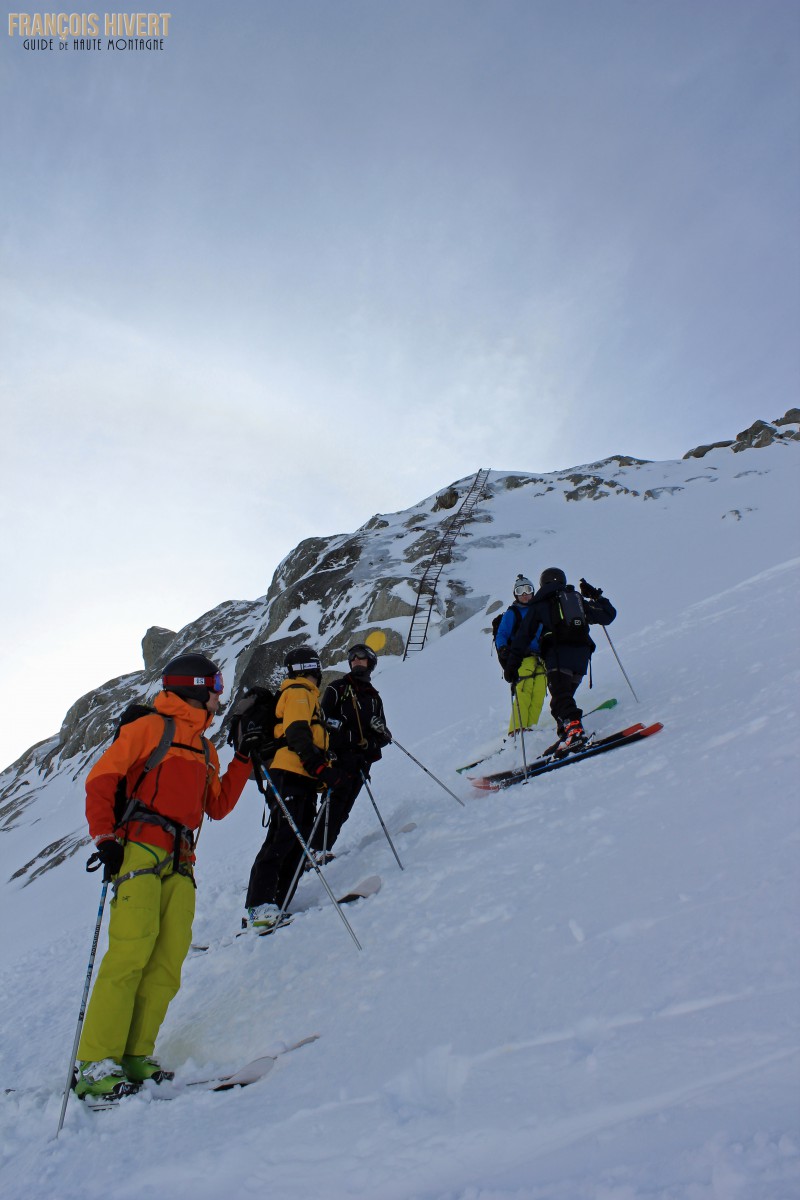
{"x": 155, "y": 647}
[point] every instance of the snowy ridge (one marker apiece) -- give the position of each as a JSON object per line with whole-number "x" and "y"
{"x": 582, "y": 988}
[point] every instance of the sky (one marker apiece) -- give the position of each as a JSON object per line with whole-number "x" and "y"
{"x": 313, "y": 261}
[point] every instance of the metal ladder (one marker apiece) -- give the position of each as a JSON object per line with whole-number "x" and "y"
{"x": 426, "y": 591}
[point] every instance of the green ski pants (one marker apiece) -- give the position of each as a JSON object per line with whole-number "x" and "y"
{"x": 531, "y": 691}
{"x": 149, "y": 934}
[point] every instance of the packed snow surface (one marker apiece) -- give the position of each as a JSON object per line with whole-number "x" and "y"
{"x": 583, "y": 988}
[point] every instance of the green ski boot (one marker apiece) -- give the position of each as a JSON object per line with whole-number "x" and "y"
{"x": 104, "y": 1079}
{"x": 141, "y": 1067}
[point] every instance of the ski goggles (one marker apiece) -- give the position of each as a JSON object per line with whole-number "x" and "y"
{"x": 212, "y": 682}
{"x": 523, "y": 589}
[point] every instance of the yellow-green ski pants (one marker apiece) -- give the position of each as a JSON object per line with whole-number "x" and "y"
{"x": 531, "y": 691}
{"x": 149, "y": 934}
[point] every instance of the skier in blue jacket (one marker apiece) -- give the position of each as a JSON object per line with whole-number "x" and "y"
{"x": 529, "y": 685}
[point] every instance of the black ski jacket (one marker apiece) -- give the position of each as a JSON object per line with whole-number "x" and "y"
{"x": 349, "y": 705}
{"x": 558, "y": 655}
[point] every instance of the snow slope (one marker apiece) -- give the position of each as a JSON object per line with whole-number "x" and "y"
{"x": 586, "y": 987}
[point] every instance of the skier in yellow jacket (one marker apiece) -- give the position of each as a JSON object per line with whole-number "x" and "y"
{"x": 150, "y": 858}
{"x": 300, "y": 769}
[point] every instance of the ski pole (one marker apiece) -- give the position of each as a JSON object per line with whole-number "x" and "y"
{"x": 89, "y": 970}
{"x": 380, "y": 818}
{"x": 293, "y": 826}
{"x": 325, "y": 833}
{"x": 288, "y": 897}
{"x": 515, "y": 702}
{"x": 427, "y": 772}
{"x": 624, "y": 672}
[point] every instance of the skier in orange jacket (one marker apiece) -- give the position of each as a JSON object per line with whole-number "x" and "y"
{"x": 150, "y": 858}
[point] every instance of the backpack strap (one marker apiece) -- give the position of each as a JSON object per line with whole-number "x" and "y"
{"x": 157, "y": 755}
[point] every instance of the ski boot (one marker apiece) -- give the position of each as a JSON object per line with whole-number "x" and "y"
{"x": 264, "y": 916}
{"x": 573, "y": 738}
{"x": 142, "y": 1067}
{"x": 103, "y": 1080}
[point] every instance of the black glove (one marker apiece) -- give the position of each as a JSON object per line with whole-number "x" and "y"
{"x": 254, "y": 742}
{"x": 502, "y": 655}
{"x": 512, "y": 665}
{"x": 332, "y": 777}
{"x": 591, "y": 593}
{"x": 378, "y": 727}
{"x": 111, "y": 853}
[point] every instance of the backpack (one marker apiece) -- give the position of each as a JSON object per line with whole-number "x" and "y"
{"x": 255, "y": 713}
{"x": 569, "y": 621}
{"x": 496, "y": 625}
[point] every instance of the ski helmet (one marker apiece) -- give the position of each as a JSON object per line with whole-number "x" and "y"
{"x": 360, "y": 650}
{"x": 192, "y": 677}
{"x": 522, "y": 586}
{"x": 553, "y": 575}
{"x": 303, "y": 661}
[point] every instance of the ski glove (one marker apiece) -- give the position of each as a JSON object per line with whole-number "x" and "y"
{"x": 254, "y": 741}
{"x": 111, "y": 853}
{"x": 332, "y": 777}
{"x": 379, "y": 727}
{"x": 591, "y": 593}
{"x": 511, "y": 667}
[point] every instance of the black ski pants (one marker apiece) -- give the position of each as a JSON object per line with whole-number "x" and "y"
{"x": 342, "y": 800}
{"x": 562, "y": 686}
{"x": 277, "y": 861}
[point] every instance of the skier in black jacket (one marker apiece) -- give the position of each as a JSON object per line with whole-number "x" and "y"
{"x": 565, "y": 645}
{"x": 356, "y": 723}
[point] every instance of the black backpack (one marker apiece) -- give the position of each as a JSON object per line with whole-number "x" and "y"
{"x": 254, "y": 713}
{"x": 569, "y": 623}
{"x": 496, "y": 625}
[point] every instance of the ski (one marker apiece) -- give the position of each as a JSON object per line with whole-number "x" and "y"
{"x": 607, "y": 704}
{"x": 251, "y": 1072}
{"x": 624, "y": 737}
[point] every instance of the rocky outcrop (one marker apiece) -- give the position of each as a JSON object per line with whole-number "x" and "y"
{"x": 155, "y": 647}
{"x": 758, "y": 435}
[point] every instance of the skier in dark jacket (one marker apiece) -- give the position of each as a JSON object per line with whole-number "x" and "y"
{"x": 565, "y": 649}
{"x": 356, "y": 723}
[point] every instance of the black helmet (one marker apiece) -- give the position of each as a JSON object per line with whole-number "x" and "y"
{"x": 553, "y": 575}
{"x": 192, "y": 677}
{"x": 303, "y": 661}
{"x": 360, "y": 650}
{"x": 522, "y": 585}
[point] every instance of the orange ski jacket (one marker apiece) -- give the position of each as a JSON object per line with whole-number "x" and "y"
{"x": 180, "y": 788}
